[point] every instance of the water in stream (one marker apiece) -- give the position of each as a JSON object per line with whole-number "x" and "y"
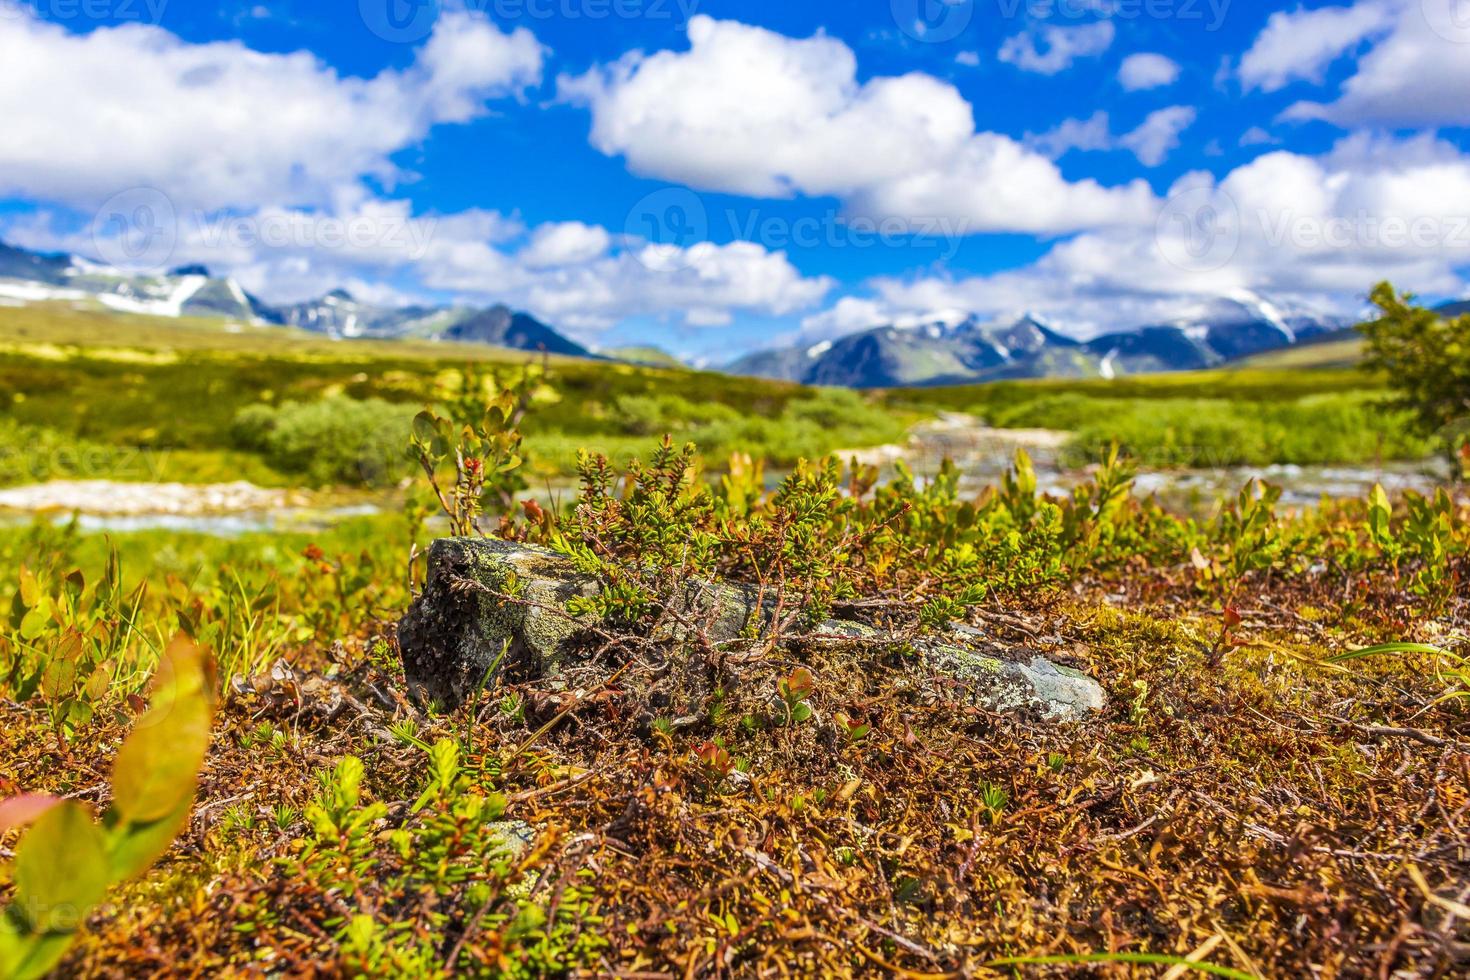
{"x": 983, "y": 455}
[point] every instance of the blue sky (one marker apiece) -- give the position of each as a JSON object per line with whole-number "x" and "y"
{"x": 715, "y": 177}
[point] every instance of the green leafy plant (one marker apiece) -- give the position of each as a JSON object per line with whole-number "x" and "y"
{"x": 66, "y": 860}
{"x": 1429, "y": 540}
{"x": 479, "y": 439}
{"x": 854, "y": 729}
{"x": 714, "y": 761}
{"x": 795, "y": 689}
{"x": 71, "y": 640}
{"x": 450, "y": 854}
{"x": 994, "y": 800}
{"x": 1249, "y": 540}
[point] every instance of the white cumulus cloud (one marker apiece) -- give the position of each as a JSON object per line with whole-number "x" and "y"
{"x": 1302, "y": 44}
{"x": 749, "y": 111}
{"x": 221, "y": 125}
{"x": 1145, "y": 71}
{"x": 565, "y": 243}
{"x": 1158, "y": 135}
{"x": 1319, "y": 230}
{"x": 1418, "y": 75}
{"x": 1055, "y": 48}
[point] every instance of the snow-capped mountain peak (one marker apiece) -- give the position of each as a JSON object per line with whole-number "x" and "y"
{"x": 191, "y": 291}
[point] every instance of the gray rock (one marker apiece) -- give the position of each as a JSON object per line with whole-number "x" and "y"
{"x": 999, "y": 681}
{"x": 1003, "y": 685}
{"x": 487, "y": 602}
{"x": 462, "y": 624}
{"x": 516, "y": 836}
{"x": 483, "y": 597}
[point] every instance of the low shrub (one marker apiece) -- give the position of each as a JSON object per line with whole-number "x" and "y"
{"x": 336, "y": 440}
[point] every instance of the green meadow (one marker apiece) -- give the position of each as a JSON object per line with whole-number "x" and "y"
{"x": 96, "y": 396}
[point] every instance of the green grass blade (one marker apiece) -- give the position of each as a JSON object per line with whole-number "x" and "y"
{"x": 1383, "y": 648}
{"x": 1152, "y": 959}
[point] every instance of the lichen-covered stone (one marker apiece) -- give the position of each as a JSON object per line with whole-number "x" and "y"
{"x": 484, "y": 596}
{"x": 486, "y": 601}
{"x": 1003, "y": 685}
{"x": 1018, "y": 681}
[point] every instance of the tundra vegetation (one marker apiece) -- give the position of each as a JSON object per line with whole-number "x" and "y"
{"x": 1278, "y": 785}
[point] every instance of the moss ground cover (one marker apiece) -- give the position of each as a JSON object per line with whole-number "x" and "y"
{"x": 1242, "y": 800}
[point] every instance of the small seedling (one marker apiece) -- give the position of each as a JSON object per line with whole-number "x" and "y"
{"x": 795, "y": 689}
{"x": 854, "y": 729}
{"x": 714, "y": 761}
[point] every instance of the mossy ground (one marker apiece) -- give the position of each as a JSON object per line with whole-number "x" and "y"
{"x": 1277, "y": 814}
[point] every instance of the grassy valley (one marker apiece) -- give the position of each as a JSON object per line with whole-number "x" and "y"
{"x": 99, "y": 396}
{"x": 107, "y": 397}
{"x": 1254, "y": 414}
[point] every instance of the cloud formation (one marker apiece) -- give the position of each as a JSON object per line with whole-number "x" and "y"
{"x": 220, "y": 125}
{"x": 749, "y": 111}
{"x": 1146, "y": 71}
{"x": 1316, "y": 229}
{"x": 1055, "y": 48}
{"x": 1414, "y": 73}
{"x": 1300, "y": 45}
{"x": 1152, "y": 142}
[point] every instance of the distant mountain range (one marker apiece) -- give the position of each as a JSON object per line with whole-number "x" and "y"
{"x": 952, "y": 348}
{"x": 192, "y": 291}
{"x": 959, "y": 348}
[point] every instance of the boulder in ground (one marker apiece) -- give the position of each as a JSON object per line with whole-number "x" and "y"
{"x": 488, "y": 602}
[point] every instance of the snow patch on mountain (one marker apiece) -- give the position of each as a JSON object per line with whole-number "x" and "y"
{"x": 1266, "y": 310}
{"x": 26, "y": 292}
{"x": 170, "y": 304}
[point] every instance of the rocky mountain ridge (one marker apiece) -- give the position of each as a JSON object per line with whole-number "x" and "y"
{"x": 960, "y": 348}
{"x": 192, "y": 291}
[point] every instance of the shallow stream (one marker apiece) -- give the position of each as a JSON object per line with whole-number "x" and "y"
{"x": 983, "y": 455}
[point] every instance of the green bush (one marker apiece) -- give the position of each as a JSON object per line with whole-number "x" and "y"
{"x": 333, "y": 441}
{"x": 1426, "y": 359}
{"x": 806, "y": 428}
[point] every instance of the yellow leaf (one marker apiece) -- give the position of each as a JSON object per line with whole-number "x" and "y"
{"x": 158, "y": 766}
